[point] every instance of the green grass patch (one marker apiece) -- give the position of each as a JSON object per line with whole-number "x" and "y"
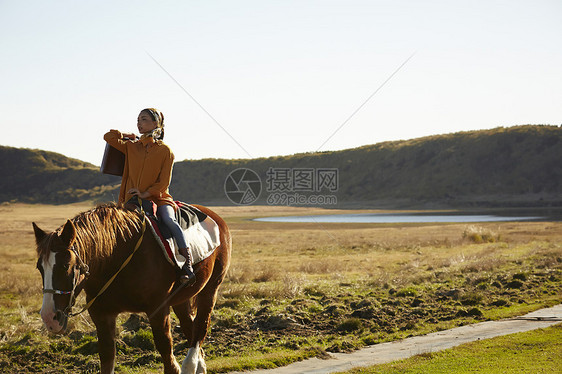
{"x": 254, "y": 360}
{"x": 538, "y": 351}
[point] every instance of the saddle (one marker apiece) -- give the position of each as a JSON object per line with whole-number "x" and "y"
{"x": 201, "y": 232}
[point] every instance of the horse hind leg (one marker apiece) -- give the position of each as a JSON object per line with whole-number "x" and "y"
{"x": 184, "y": 312}
{"x": 194, "y": 363}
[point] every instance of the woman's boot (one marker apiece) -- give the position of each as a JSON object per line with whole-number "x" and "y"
{"x": 187, "y": 276}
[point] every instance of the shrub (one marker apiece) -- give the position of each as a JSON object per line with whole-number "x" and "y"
{"x": 478, "y": 234}
{"x": 474, "y": 312}
{"x": 515, "y": 284}
{"x": 350, "y": 324}
{"x": 501, "y": 302}
{"x": 471, "y": 298}
{"x": 266, "y": 275}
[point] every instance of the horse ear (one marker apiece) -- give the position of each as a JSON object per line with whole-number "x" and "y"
{"x": 39, "y": 234}
{"x": 68, "y": 234}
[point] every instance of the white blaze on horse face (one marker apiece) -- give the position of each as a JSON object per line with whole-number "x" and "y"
{"x": 48, "y": 310}
{"x": 194, "y": 363}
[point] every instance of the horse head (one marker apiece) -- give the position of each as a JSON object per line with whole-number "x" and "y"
{"x": 62, "y": 271}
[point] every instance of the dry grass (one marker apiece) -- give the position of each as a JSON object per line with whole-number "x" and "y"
{"x": 268, "y": 252}
{"x": 262, "y": 249}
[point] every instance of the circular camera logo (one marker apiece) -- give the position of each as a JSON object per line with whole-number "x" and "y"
{"x": 242, "y": 186}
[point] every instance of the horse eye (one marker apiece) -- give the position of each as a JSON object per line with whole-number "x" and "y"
{"x": 64, "y": 267}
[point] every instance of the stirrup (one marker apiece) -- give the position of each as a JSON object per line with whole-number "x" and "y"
{"x": 187, "y": 277}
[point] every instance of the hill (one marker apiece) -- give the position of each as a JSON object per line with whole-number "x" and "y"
{"x": 519, "y": 165}
{"x": 514, "y": 166}
{"x": 36, "y": 176}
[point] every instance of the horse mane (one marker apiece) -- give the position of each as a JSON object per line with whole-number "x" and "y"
{"x": 98, "y": 231}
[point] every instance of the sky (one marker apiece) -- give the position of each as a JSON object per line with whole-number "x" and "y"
{"x": 245, "y": 79}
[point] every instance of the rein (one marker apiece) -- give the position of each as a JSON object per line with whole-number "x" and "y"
{"x": 82, "y": 268}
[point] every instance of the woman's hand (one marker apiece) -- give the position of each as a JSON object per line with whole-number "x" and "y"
{"x": 130, "y": 136}
{"x": 136, "y": 192}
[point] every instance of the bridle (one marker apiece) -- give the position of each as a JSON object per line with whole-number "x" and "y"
{"x": 80, "y": 268}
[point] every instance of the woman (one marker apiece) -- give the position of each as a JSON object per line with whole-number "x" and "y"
{"x": 147, "y": 174}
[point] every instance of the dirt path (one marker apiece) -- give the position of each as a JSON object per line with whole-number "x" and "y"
{"x": 386, "y": 352}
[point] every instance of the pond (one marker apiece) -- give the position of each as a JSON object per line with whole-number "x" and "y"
{"x": 400, "y": 218}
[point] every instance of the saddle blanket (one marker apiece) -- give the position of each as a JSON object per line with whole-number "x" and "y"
{"x": 201, "y": 233}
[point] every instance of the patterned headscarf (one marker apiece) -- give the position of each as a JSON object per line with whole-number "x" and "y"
{"x": 158, "y": 132}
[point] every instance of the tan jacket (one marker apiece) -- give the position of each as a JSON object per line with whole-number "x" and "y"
{"x": 148, "y": 167}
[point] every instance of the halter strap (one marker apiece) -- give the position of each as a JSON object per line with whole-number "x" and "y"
{"x": 82, "y": 267}
{"x": 56, "y": 292}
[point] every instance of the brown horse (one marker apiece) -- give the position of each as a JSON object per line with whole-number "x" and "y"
{"x": 89, "y": 249}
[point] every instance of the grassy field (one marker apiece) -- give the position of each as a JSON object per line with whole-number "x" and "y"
{"x": 299, "y": 290}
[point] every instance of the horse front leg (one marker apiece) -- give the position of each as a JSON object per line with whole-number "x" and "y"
{"x": 105, "y": 327}
{"x": 160, "y": 324}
